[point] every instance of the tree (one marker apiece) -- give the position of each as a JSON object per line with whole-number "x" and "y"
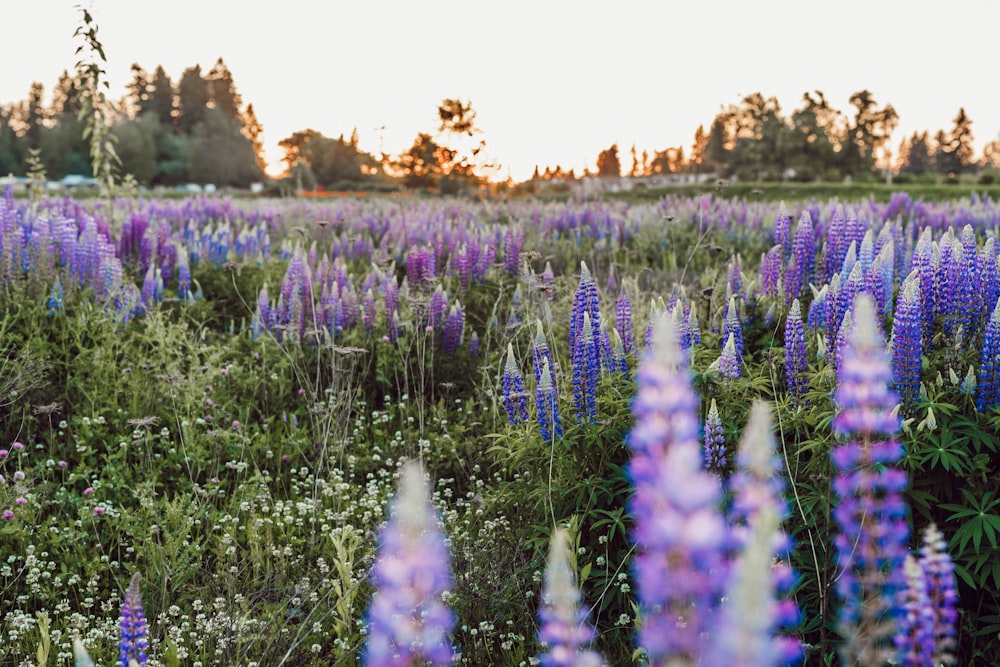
{"x": 222, "y": 91}
{"x": 330, "y": 161}
{"x": 138, "y": 91}
{"x": 869, "y": 132}
{"x": 698, "y": 149}
{"x": 13, "y": 149}
{"x": 420, "y": 164}
{"x": 991, "y": 154}
{"x": 608, "y": 163}
{"x": 192, "y": 92}
{"x": 814, "y": 141}
{"x": 161, "y": 97}
{"x": 956, "y": 150}
{"x": 136, "y": 149}
{"x": 66, "y": 96}
{"x": 64, "y": 148}
{"x": 457, "y": 117}
{"x": 915, "y": 154}
{"x": 220, "y": 154}
{"x": 34, "y": 114}
{"x": 253, "y": 130}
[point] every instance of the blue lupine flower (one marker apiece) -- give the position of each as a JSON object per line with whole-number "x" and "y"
{"x": 540, "y": 353}
{"x": 731, "y": 325}
{"x": 758, "y": 604}
{"x": 870, "y": 512}
{"x": 907, "y": 342}
{"x": 729, "y": 362}
{"x": 783, "y": 230}
{"x": 716, "y": 455}
{"x": 795, "y": 355}
{"x": 680, "y": 537}
{"x": 988, "y": 387}
{"x": 564, "y": 629}
{"x": 586, "y": 367}
{"x": 939, "y": 573}
{"x": 547, "y": 404}
{"x": 453, "y": 328}
{"x": 408, "y": 623}
{"x": 133, "y": 643}
{"x": 585, "y": 300}
{"x": 515, "y": 400}
{"x": 915, "y": 630}
{"x": 623, "y": 322}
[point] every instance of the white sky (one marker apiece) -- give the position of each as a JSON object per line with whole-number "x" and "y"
{"x": 552, "y": 81}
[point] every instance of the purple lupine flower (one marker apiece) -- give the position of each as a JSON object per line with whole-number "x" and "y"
{"x": 870, "y": 511}
{"x": 564, "y": 629}
{"x": 731, "y": 325}
{"x": 758, "y": 604}
{"x": 368, "y": 310}
{"x": 988, "y": 387}
{"x": 619, "y": 361}
{"x": 453, "y": 327}
{"x": 623, "y": 321}
{"x": 586, "y": 367}
{"x": 866, "y": 251}
{"x": 681, "y": 326}
{"x": 783, "y": 230}
{"x": 939, "y": 574}
{"x": 734, "y": 275}
{"x": 437, "y": 309}
{"x": 907, "y": 342}
{"x": 585, "y": 300}
{"x": 56, "y": 295}
{"x": 840, "y": 344}
{"x": 922, "y": 263}
{"x": 408, "y": 623}
{"x": 512, "y": 245}
{"x": 262, "y": 318}
{"x": 547, "y": 404}
{"x": 680, "y": 537}
{"x": 915, "y": 629}
{"x": 833, "y": 315}
{"x": 716, "y": 455}
{"x": 769, "y": 273}
{"x": 515, "y": 400}
{"x": 989, "y": 282}
{"x": 133, "y": 643}
{"x": 729, "y": 364}
{"x": 540, "y": 351}
{"x": 693, "y": 328}
{"x": 836, "y": 245}
{"x": 796, "y": 380}
{"x": 816, "y": 320}
{"x": 804, "y": 250}
{"x": 956, "y": 290}
{"x": 474, "y": 345}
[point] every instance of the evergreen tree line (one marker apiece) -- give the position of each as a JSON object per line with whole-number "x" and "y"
{"x": 166, "y": 133}
{"x": 755, "y": 141}
{"x": 199, "y": 130}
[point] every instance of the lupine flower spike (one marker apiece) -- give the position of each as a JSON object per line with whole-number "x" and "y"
{"x": 870, "y": 511}
{"x": 547, "y": 404}
{"x": 515, "y": 401}
{"x": 408, "y": 623}
{"x": 679, "y": 534}
{"x": 758, "y": 606}
{"x": 795, "y": 355}
{"x": 716, "y": 456}
{"x": 133, "y": 644}
{"x": 564, "y": 629}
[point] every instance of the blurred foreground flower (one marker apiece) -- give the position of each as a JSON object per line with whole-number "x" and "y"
{"x": 408, "y": 623}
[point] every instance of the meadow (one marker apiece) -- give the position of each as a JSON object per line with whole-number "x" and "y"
{"x": 226, "y": 397}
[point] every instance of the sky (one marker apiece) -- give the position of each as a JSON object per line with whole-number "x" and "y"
{"x": 552, "y": 81}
